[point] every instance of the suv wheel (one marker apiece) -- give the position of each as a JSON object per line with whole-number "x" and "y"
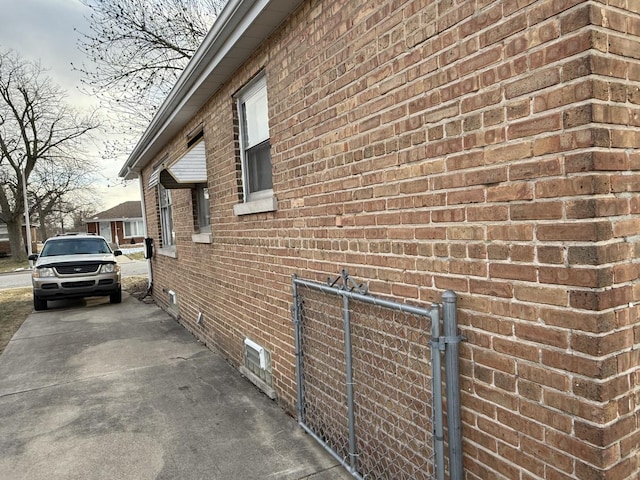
{"x": 116, "y": 297}
{"x": 39, "y": 303}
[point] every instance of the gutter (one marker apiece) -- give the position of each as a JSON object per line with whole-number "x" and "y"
{"x": 144, "y": 230}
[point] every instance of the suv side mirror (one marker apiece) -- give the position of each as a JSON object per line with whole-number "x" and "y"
{"x": 33, "y": 257}
{"x": 117, "y": 253}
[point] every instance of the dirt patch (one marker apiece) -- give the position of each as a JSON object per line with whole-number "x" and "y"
{"x": 135, "y": 286}
{"x": 15, "y": 305}
{"x": 7, "y": 264}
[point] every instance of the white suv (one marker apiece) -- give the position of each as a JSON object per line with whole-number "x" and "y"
{"x": 75, "y": 266}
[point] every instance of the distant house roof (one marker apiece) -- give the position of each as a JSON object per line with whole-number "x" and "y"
{"x": 124, "y": 211}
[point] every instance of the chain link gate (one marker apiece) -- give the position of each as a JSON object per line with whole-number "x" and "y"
{"x": 369, "y": 381}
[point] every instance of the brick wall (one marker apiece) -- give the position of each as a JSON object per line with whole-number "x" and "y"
{"x": 489, "y": 147}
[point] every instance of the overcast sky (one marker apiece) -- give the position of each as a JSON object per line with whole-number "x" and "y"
{"x": 44, "y": 30}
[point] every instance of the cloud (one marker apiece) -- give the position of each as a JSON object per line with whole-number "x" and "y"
{"x": 44, "y": 30}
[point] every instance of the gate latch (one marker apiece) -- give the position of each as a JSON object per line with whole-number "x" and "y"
{"x": 441, "y": 342}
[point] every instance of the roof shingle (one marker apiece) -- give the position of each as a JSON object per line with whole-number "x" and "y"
{"x": 131, "y": 209}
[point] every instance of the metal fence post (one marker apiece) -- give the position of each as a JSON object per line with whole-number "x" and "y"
{"x": 298, "y": 350}
{"x": 452, "y": 339}
{"x": 350, "y": 411}
{"x": 436, "y": 378}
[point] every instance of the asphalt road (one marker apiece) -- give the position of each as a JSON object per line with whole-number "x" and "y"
{"x": 130, "y": 268}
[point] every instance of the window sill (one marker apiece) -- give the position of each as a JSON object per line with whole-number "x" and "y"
{"x": 269, "y": 204}
{"x": 168, "y": 251}
{"x": 201, "y": 238}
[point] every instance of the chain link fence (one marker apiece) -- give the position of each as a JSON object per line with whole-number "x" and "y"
{"x": 365, "y": 383}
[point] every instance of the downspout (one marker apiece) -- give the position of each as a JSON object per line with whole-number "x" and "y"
{"x": 144, "y": 228}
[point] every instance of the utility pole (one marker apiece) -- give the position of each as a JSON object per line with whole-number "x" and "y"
{"x": 26, "y": 214}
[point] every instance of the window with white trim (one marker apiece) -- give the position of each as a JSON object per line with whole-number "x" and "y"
{"x": 168, "y": 235}
{"x": 4, "y": 232}
{"x": 133, "y": 228}
{"x": 255, "y": 147}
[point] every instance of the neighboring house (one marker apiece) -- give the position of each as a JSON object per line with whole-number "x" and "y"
{"x": 5, "y": 246}
{"x": 121, "y": 225}
{"x": 486, "y": 147}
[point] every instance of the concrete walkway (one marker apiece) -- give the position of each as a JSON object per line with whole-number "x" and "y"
{"x": 90, "y": 390}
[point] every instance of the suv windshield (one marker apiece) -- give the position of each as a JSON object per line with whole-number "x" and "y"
{"x": 74, "y": 246}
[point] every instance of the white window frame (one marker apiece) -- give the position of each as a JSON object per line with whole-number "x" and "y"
{"x": 202, "y": 213}
{"x": 167, "y": 230}
{"x": 135, "y": 228}
{"x": 4, "y": 232}
{"x": 203, "y": 207}
{"x": 261, "y": 200}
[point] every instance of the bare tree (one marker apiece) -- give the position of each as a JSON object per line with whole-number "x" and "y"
{"x": 136, "y": 51}
{"x": 58, "y": 190}
{"x": 80, "y": 211}
{"x": 40, "y": 143}
{"x": 68, "y": 215}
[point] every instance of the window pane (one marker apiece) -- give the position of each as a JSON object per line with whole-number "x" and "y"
{"x": 203, "y": 207}
{"x": 167, "y": 227}
{"x": 259, "y": 167}
{"x": 133, "y": 229}
{"x": 256, "y": 117}
{"x": 166, "y": 220}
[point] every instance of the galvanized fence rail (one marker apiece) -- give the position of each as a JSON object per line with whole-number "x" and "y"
{"x": 369, "y": 380}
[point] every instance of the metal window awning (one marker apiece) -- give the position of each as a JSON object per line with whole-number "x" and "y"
{"x": 186, "y": 172}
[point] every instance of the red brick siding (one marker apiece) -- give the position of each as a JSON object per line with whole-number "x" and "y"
{"x": 485, "y": 147}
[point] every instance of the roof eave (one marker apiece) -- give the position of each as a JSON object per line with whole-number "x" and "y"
{"x": 237, "y": 32}
{"x": 115, "y": 219}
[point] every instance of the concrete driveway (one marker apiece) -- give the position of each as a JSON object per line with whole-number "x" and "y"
{"x": 90, "y": 390}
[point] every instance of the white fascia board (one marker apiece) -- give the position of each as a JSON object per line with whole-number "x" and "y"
{"x": 105, "y": 220}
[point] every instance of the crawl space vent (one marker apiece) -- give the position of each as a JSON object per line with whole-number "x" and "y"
{"x": 173, "y": 297}
{"x": 257, "y": 366}
{"x": 172, "y": 308}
